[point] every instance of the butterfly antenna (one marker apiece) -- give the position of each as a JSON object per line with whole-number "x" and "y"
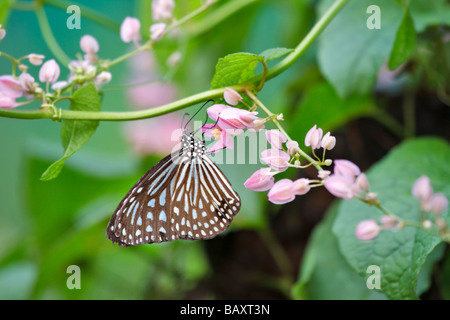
{"x": 210, "y": 100}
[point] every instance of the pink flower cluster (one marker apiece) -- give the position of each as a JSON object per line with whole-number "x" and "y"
{"x": 229, "y": 121}
{"x": 430, "y": 202}
{"x": 436, "y": 203}
{"x": 277, "y": 158}
{"x": 347, "y": 181}
{"x": 12, "y": 87}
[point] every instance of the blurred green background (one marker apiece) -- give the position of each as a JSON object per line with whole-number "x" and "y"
{"x": 47, "y": 226}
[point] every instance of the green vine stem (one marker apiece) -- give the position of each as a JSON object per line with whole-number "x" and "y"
{"x": 186, "y": 102}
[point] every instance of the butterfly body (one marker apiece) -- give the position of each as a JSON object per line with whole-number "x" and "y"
{"x": 184, "y": 196}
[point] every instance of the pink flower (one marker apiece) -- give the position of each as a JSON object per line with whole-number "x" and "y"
{"x": 260, "y": 180}
{"x": 301, "y": 186}
{"x": 438, "y": 203}
{"x": 340, "y": 186}
{"x": 224, "y": 137}
{"x": 157, "y": 31}
{"x": 2, "y": 32}
{"x": 10, "y": 87}
{"x": 367, "y": 230}
{"x": 89, "y": 44}
{"x": 27, "y": 83}
{"x": 389, "y": 222}
{"x": 7, "y": 102}
{"x": 276, "y": 159}
{"x": 231, "y": 96}
{"x": 215, "y": 110}
{"x": 328, "y": 141}
{"x": 36, "y": 59}
{"x": 292, "y": 147}
{"x": 234, "y": 118}
{"x": 346, "y": 168}
{"x": 231, "y": 118}
{"x": 282, "y": 192}
{"x": 276, "y": 138}
{"x": 130, "y": 30}
{"x": 49, "y": 71}
{"x": 313, "y": 137}
{"x": 162, "y": 9}
{"x": 422, "y": 188}
{"x": 361, "y": 183}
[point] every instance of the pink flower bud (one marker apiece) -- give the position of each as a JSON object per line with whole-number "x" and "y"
{"x": 346, "y": 168}
{"x": 339, "y": 186}
{"x": 2, "y": 32}
{"x": 27, "y": 83}
{"x": 292, "y": 147}
{"x": 59, "y": 85}
{"x": 232, "y": 97}
{"x": 36, "y": 59}
{"x": 258, "y": 124}
{"x": 162, "y": 9}
{"x": 276, "y": 138}
{"x": 157, "y": 31}
{"x": 49, "y": 71}
{"x": 367, "y": 230}
{"x": 10, "y": 87}
{"x": 102, "y": 78}
{"x": 328, "y": 141}
{"x": 260, "y": 180}
{"x": 323, "y": 174}
{"x": 438, "y": 203}
{"x": 130, "y": 30}
{"x": 389, "y": 222}
{"x": 422, "y": 188}
{"x": 7, "y": 102}
{"x": 276, "y": 159}
{"x": 361, "y": 183}
{"x": 89, "y": 44}
{"x": 216, "y": 109}
{"x": 281, "y": 192}
{"x": 235, "y": 118}
{"x": 313, "y": 137}
{"x": 301, "y": 186}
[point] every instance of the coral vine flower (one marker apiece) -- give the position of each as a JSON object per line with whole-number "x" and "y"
{"x": 130, "y": 30}
{"x": 282, "y": 192}
{"x": 276, "y": 138}
{"x": 260, "y": 180}
{"x": 224, "y": 137}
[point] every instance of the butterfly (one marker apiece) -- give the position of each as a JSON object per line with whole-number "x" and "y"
{"x": 184, "y": 196}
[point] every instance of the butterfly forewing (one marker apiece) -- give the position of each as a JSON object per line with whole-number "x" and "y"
{"x": 184, "y": 196}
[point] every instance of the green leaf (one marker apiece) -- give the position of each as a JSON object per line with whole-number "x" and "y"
{"x": 234, "y": 69}
{"x": 322, "y": 106}
{"x": 75, "y": 133}
{"x": 400, "y": 255}
{"x": 405, "y": 42}
{"x": 324, "y": 273}
{"x": 429, "y": 13}
{"x": 275, "y": 53}
{"x": 350, "y": 54}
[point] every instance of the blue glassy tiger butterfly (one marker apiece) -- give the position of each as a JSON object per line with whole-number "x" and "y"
{"x": 184, "y": 196}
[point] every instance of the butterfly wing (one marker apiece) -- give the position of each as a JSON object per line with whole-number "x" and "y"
{"x": 179, "y": 198}
{"x": 141, "y": 215}
{"x": 204, "y": 203}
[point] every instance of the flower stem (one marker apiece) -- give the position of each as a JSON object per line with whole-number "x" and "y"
{"x": 277, "y": 123}
{"x": 49, "y": 38}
